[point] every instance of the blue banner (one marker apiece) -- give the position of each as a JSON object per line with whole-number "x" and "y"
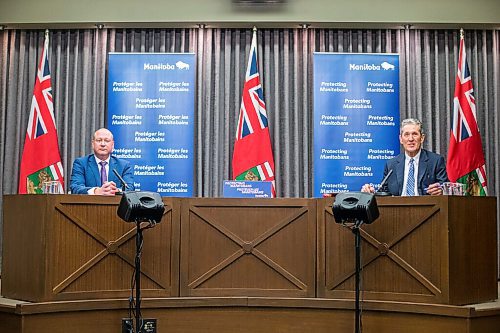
{"x": 356, "y": 119}
{"x": 151, "y": 115}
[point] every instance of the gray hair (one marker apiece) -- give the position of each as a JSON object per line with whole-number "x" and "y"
{"x": 412, "y": 121}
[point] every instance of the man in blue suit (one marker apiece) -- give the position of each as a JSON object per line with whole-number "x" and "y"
{"x": 93, "y": 174}
{"x": 416, "y": 171}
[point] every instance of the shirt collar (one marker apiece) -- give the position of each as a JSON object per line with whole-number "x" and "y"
{"x": 416, "y": 158}
{"x": 98, "y": 160}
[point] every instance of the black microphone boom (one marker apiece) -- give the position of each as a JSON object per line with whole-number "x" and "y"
{"x": 124, "y": 183}
{"x": 382, "y": 183}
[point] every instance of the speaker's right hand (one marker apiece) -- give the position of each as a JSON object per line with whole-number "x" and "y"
{"x": 368, "y": 188}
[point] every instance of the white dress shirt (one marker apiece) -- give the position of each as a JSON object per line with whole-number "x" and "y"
{"x": 92, "y": 190}
{"x": 416, "y": 159}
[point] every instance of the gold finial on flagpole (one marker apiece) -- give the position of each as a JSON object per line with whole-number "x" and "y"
{"x": 254, "y": 29}
{"x": 461, "y": 33}
{"x": 46, "y": 33}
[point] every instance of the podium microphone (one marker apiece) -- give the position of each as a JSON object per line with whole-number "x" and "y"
{"x": 382, "y": 184}
{"x": 124, "y": 183}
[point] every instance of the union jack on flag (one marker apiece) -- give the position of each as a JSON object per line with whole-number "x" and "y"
{"x": 41, "y": 160}
{"x": 253, "y": 156}
{"x": 253, "y": 109}
{"x": 466, "y": 163}
{"x": 43, "y": 93}
{"x": 464, "y": 103}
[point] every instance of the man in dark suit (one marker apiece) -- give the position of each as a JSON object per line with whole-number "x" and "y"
{"x": 93, "y": 174}
{"x": 416, "y": 171}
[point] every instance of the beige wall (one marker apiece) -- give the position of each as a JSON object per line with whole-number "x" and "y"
{"x": 335, "y": 13}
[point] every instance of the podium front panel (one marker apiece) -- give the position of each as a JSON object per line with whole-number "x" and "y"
{"x": 248, "y": 247}
{"x": 66, "y": 247}
{"x": 421, "y": 249}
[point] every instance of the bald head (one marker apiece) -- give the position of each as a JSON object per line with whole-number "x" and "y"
{"x": 102, "y": 131}
{"x": 103, "y": 143}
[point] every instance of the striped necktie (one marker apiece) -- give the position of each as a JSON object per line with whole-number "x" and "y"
{"x": 410, "y": 183}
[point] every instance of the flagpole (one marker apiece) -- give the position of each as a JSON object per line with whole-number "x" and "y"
{"x": 46, "y": 41}
{"x": 461, "y": 33}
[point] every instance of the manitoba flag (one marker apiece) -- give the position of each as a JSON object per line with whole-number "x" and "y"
{"x": 253, "y": 155}
{"x": 466, "y": 163}
{"x": 41, "y": 160}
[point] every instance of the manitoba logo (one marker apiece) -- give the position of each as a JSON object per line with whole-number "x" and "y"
{"x": 387, "y": 66}
{"x": 181, "y": 65}
{"x": 371, "y": 67}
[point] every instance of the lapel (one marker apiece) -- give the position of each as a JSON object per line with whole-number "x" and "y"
{"x": 400, "y": 171}
{"x": 94, "y": 170}
{"x": 111, "y": 175}
{"x": 422, "y": 168}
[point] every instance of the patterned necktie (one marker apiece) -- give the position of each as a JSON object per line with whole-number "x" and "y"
{"x": 410, "y": 183}
{"x": 104, "y": 176}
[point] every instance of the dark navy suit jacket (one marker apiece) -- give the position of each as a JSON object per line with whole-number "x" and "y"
{"x": 85, "y": 174}
{"x": 431, "y": 169}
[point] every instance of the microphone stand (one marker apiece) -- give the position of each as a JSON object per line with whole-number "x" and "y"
{"x": 138, "y": 245}
{"x": 122, "y": 181}
{"x": 357, "y": 307}
{"x": 382, "y": 184}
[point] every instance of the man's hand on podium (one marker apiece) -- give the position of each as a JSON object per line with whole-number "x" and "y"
{"x": 108, "y": 188}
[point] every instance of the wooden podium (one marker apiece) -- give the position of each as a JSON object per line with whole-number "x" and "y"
{"x": 250, "y": 265}
{"x": 436, "y": 250}
{"x": 248, "y": 247}
{"x": 70, "y": 247}
{"x": 421, "y": 249}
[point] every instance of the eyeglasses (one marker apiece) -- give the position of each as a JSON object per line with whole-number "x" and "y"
{"x": 103, "y": 140}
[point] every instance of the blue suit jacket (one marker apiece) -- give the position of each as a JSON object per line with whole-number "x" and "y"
{"x": 431, "y": 169}
{"x": 85, "y": 174}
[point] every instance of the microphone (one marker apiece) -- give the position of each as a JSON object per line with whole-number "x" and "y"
{"x": 382, "y": 184}
{"x": 124, "y": 183}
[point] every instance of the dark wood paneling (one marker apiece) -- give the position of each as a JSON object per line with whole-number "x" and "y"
{"x": 10, "y": 322}
{"x": 473, "y": 248}
{"x": 249, "y": 315}
{"x": 256, "y": 247}
{"x": 24, "y": 246}
{"x": 76, "y": 247}
{"x": 421, "y": 249}
{"x": 424, "y": 249}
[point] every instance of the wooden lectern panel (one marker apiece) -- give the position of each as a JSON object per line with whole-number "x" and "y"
{"x": 64, "y": 247}
{"x": 248, "y": 247}
{"x": 421, "y": 249}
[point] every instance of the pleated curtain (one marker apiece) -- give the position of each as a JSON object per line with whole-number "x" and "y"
{"x": 78, "y": 64}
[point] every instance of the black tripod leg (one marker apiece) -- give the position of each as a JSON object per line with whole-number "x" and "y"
{"x": 357, "y": 241}
{"x": 138, "y": 244}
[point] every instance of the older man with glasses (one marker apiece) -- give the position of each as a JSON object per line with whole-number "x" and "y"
{"x": 93, "y": 174}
